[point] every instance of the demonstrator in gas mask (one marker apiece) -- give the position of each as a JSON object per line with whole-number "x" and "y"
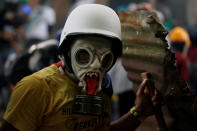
{"x": 90, "y": 44}
{"x": 74, "y": 94}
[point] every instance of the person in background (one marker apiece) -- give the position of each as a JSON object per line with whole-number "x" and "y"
{"x": 10, "y": 26}
{"x": 10, "y": 22}
{"x": 40, "y": 22}
{"x": 180, "y": 43}
{"x": 34, "y": 59}
{"x": 74, "y": 94}
{"x": 192, "y": 55}
{"x": 38, "y": 56}
{"x": 29, "y": 61}
{"x": 122, "y": 87}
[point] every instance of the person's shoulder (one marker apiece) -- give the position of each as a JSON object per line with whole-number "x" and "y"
{"x": 28, "y": 84}
{"x": 38, "y": 76}
{"x": 50, "y": 76}
{"x": 45, "y": 72}
{"x": 37, "y": 81}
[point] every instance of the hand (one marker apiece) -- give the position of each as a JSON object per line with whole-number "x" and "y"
{"x": 146, "y": 103}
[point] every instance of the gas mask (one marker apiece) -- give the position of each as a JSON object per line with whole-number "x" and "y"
{"x": 91, "y": 58}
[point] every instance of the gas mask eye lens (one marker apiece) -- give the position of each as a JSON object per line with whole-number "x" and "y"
{"x": 82, "y": 56}
{"x": 107, "y": 60}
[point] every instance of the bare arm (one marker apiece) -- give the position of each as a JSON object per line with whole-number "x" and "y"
{"x": 144, "y": 106}
{"x": 127, "y": 121}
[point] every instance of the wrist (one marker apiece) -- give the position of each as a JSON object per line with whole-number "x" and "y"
{"x": 137, "y": 114}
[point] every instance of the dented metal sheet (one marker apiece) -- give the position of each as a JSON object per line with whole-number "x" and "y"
{"x": 145, "y": 47}
{"x": 146, "y": 50}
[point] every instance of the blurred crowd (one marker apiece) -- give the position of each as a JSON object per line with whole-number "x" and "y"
{"x": 26, "y": 47}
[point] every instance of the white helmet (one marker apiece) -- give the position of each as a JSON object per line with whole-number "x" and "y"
{"x": 93, "y": 19}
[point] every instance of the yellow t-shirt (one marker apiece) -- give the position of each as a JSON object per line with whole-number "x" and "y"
{"x": 43, "y": 102}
